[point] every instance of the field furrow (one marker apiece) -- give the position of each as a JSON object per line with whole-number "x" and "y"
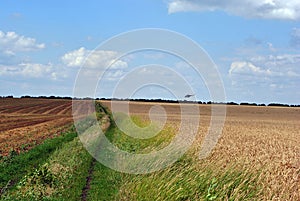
{"x": 19, "y": 123}
{"x": 66, "y": 110}
{"x": 27, "y": 122}
{"x": 57, "y": 110}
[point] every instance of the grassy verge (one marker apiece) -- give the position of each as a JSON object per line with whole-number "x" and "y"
{"x": 61, "y": 177}
{"x": 186, "y": 181}
{"x": 14, "y": 167}
{"x": 105, "y": 184}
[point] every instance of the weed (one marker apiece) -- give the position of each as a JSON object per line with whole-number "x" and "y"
{"x": 211, "y": 191}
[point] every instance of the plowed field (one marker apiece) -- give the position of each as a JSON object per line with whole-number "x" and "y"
{"x": 26, "y": 122}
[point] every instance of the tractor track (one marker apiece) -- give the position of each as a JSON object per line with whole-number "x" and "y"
{"x": 89, "y": 178}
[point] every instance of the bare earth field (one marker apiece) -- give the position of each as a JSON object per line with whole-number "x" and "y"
{"x": 264, "y": 140}
{"x": 27, "y": 122}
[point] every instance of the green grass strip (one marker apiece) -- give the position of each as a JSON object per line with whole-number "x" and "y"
{"x": 105, "y": 183}
{"x": 15, "y": 167}
{"x": 61, "y": 177}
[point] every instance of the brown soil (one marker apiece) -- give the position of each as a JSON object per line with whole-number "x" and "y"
{"x": 27, "y": 122}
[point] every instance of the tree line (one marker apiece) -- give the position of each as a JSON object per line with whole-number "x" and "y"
{"x": 156, "y": 100}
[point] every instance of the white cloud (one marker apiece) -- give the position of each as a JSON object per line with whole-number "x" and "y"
{"x": 29, "y": 70}
{"x": 284, "y": 61}
{"x": 119, "y": 64}
{"x": 114, "y": 75}
{"x": 75, "y": 58}
{"x": 271, "y": 47}
{"x": 12, "y": 65}
{"x": 243, "y": 67}
{"x": 93, "y": 59}
{"x": 11, "y": 42}
{"x": 269, "y": 77}
{"x": 286, "y": 65}
{"x": 267, "y": 9}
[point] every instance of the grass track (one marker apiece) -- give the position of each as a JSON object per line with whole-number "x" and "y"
{"x": 62, "y": 176}
{"x": 13, "y": 167}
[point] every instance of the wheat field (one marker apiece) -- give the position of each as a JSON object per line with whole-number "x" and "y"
{"x": 262, "y": 140}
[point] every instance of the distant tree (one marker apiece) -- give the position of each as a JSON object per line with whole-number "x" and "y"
{"x": 262, "y": 104}
{"x": 232, "y": 103}
{"x": 249, "y": 104}
{"x": 278, "y": 105}
{"x": 67, "y": 97}
{"x": 26, "y": 96}
{"x": 88, "y": 98}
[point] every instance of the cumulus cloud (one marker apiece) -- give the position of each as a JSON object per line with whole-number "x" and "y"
{"x": 266, "y": 9}
{"x": 284, "y": 61}
{"x": 243, "y": 67}
{"x": 266, "y": 77}
{"x": 93, "y": 59}
{"x": 269, "y": 75}
{"x": 11, "y": 42}
{"x": 12, "y": 65}
{"x": 29, "y": 70}
{"x": 114, "y": 75}
{"x": 285, "y": 65}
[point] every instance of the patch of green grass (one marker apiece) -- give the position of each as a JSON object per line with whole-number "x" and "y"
{"x": 135, "y": 145}
{"x": 105, "y": 183}
{"x": 62, "y": 177}
{"x": 188, "y": 182}
{"x": 71, "y": 165}
{"x": 14, "y": 167}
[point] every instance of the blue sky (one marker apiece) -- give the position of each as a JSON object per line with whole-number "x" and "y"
{"x": 255, "y": 44}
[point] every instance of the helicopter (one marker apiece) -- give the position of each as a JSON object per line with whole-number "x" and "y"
{"x": 189, "y": 95}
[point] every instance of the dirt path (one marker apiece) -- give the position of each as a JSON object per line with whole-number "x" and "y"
{"x": 89, "y": 178}
{"x": 104, "y": 126}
